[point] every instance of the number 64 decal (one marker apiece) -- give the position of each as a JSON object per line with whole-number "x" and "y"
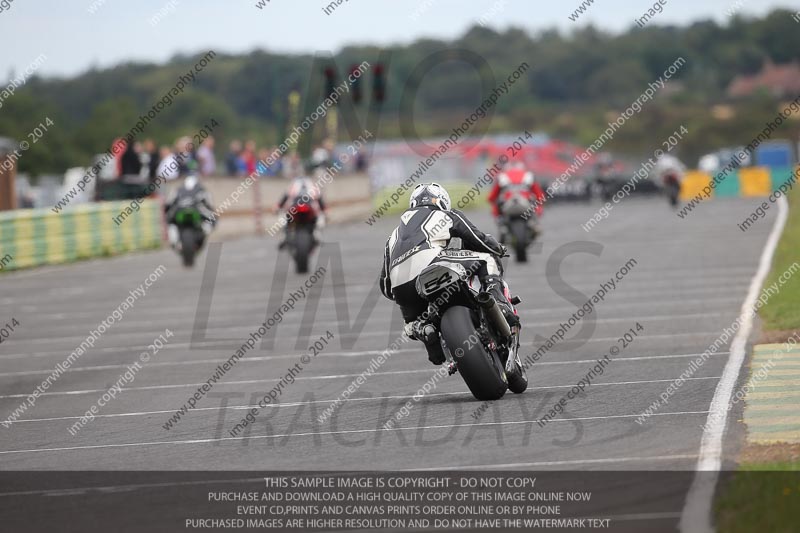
{"x": 434, "y": 284}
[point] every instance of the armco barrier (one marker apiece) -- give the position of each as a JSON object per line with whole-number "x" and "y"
{"x": 747, "y": 182}
{"x": 33, "y": 237}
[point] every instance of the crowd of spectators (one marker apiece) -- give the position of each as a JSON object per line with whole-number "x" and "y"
{"x": 147, "y": 161}
{"x": 245, "y": 158}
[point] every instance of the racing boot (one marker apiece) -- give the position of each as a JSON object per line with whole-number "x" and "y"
{"x": 496, "y": 286}
{"x": 420, "y": 330}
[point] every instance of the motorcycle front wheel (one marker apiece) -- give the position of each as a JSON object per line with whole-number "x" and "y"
{"x": 188, "y": 246}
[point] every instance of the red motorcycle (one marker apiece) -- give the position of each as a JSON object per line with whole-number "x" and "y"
{"x": 672, "y": 184}
{"x": 300, "y": 238}
{"x": 518, "y": 218}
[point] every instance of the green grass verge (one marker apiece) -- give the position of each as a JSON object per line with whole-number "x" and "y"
{"x": 782, "y": 311}
{"x": 763, "y": 497}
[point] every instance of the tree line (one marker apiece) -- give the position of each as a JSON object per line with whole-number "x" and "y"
{"x": 576, "y": 83}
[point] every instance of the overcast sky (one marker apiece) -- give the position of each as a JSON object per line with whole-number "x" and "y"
{"x": 73, "y": 39}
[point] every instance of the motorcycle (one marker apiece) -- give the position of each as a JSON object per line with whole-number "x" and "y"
{"x": 519, "y": 223}
{"x": 476, "y": 338}
{"x": 300, "y": 238}
{"x": 673, "y": 186}
{"x": 191, "y": 235}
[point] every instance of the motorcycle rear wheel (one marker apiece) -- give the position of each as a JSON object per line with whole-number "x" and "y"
{"x": 482, "y": 371}
{"x": 303, "y": 243}
{"x": 520, "y": 231}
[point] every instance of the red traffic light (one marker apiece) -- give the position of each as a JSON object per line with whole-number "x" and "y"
{"x": 330, "y": 80}
{"x": 378, "y": 83}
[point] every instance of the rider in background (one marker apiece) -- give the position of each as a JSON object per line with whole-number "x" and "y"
{"x": 425, "y": 230}
{"x": 191, "y": 194}
{"x": 515, "y": 178}
{"x": 667, "y": 165}
{"x": 302, "y": 192}
{"x": 604, "y": 173}
{"x": 669, "y": 172}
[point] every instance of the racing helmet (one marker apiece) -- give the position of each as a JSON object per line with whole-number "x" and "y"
{"x": 431, "y": 194}
{"x": 190, "y": 182}
{"x": 302, "y": 185}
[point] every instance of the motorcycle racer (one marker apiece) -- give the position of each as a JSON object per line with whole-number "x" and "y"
{"x": 304, "y": 192}
{"x": 516, "y": 179}
{"x": 191, "y": 194}
{"x": 423, "y": 235}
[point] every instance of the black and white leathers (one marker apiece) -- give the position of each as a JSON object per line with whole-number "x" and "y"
{"x": 422, "y": 235}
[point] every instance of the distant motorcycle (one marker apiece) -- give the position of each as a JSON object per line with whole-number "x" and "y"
{"x": 476, "y": 337}
{"x": 672, "y": 185}
{"x": 190, "y": 227}
{"x": 518, "y": 218}
{"x": 301, "y": 240}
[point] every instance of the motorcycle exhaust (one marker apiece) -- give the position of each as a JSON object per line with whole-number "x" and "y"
{"x": 489, "y": 305}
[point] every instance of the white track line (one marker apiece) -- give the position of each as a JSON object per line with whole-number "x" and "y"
{"x": 696, "y": 517}
{"x": 237, "y": 300}
{"x": 712, "y": 334}
{"x": 259, "y": 359}
{"x": 368, "y": 399}
{"x": 256, "y": 359}
{"x": 242, "y": 332}
{"x": 609, "y": 460}
{"x": 340, "y": 432}
{"x": 244, "y": 382}
{"x": 543, "y": 307}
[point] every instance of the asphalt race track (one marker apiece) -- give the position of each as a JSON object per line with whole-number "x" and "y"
{"x": 687, "y": 285}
